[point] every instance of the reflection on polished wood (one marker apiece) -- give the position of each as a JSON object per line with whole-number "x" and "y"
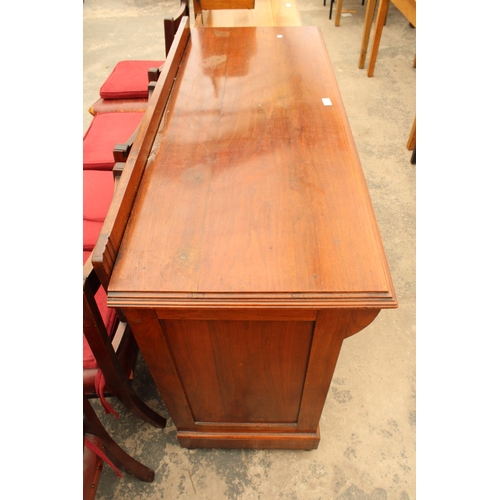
{"x": 250, "y": 247}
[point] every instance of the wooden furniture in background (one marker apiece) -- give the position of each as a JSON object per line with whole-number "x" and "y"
{"x": 406, "y": 7}
{"x": 264, "y": 13}
{"x": 247, "y": 250}
{"x": 200, "y": 5}
{"x": 412, "y": 139}
{"x": 412, "y": 142}
{"x": 126, "y": 88}
{"x": 367, "y": 26}
{"x": 338, "y": 10}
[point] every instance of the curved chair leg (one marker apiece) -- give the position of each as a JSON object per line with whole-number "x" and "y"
{"x": 116, "y": 454}
{"x": 129, "y": 398}
{"x": 142, "y": 410}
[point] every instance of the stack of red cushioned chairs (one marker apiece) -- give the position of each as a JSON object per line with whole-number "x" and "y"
{"x": 126, "y": 88}
{"x": 114, "y": 122}
{"x": 127, "y": 82}
{"x": 117, "y": 115}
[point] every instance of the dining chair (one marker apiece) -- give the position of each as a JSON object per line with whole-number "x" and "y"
{"x": 105, "y": 131}
{"x": 109, "y": 348}
{"x": 126, "y": 88}
{"x": 103, "y": 359}
{"x": 109, "y": 356}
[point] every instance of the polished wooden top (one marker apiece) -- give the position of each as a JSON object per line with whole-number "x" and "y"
{"x": 253, "y": 193}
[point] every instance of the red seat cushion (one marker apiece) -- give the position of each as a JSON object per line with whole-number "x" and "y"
{"x": 105, "y": 132}
{"x": 98, "y": 188}
{"x": 86, "y": 255}
{"x": 91, "y": 232}
{"x": 128, "y": 80}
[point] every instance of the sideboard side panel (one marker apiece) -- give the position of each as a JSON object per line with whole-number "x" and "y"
{"x": 241, "y": 372}
{"x": 328, "y": 335}
{"x": 153, "y": 345}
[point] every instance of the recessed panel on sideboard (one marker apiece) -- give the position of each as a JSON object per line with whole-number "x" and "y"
{"x": 241, "y": 371}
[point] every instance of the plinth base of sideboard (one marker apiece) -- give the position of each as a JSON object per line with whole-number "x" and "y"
{"x": 250, "y": 440}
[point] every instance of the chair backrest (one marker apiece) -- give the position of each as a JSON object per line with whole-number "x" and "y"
{"x": 171, "y": 24}
{"x": 103, "y": 336}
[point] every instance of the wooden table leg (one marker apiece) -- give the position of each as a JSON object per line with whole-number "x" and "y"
{"x": 338, "y": 11}
{"x": 412, "y": 139}
{"x": 369, "y": 15}
{"x": 379, "y": 25}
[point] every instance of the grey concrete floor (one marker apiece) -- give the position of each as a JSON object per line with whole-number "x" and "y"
{"x": 368, "y": 426}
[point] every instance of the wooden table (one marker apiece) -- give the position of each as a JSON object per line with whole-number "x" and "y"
{"x": 250, "y": 247}
{"x": 407, "y": 7}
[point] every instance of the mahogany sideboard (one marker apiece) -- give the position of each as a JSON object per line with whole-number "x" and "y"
{"x": 241, "y": 245}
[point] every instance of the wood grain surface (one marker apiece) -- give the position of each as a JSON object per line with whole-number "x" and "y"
{"x": 253, "y": 188}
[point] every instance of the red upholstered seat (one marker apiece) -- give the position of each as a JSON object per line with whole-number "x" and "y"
{"x": 98, "y": 188}
{"x": 86, "y": 255}
{"x": 91, "y": 231}
{"x": 105, "y": 132}
{"x": 128, "y": 80}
